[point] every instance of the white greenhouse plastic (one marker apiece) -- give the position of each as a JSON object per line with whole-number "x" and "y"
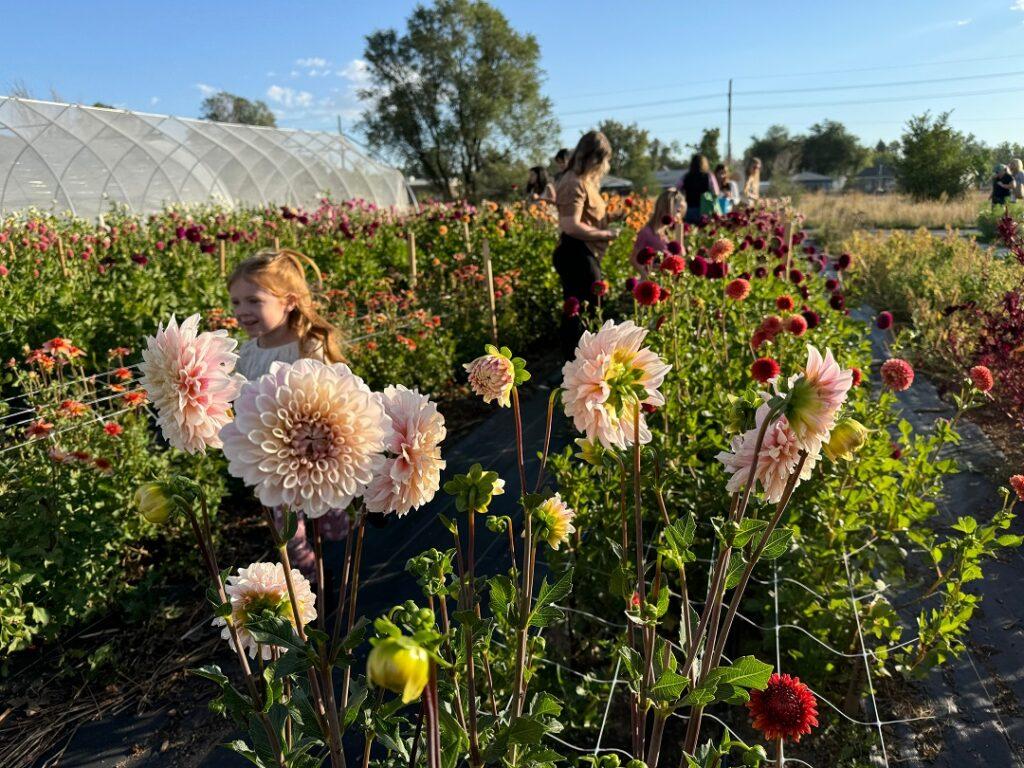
{"x": 67, "y": 157}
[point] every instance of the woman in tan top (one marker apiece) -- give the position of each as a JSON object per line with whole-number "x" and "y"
{"x": 585, "y": 236}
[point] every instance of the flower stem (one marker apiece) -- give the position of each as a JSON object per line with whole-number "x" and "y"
{"x": 474, "y": 745}
{"x": 353, "y": 593}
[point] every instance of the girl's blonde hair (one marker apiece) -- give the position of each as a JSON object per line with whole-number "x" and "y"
{"x": 591, "y": 156}
{"x": 667, "y": 204}
{"x": 1016, "y": 165}
{"x": 282, "y": 272}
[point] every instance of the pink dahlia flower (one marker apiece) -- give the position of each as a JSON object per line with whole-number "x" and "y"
{"x": 491, "y": 377}
{"x": 259, "y": 588}
{"x": 604, "y": 382}
{"x": 815, "y": 396}
{"x": 190, "y": 378}
{"x": 411, "y": 475}
{"x": 309, "y": 436}
{"x": 776, "y": 460}
{"x": 897, "y": 374}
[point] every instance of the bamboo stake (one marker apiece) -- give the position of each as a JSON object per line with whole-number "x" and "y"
{"x": 223, "y": 258}
{"x": 465, "y": 236}
{"x": 789, "y": 246}
{"x": 63, "y": 259}
{"x": 412, "y": 258}
{"x": 277, "y": 244}
{"x": 486, "y": 249}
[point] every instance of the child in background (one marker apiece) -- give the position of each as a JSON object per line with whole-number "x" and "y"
{"x": 274, "y": 306}
{"x": 656, "y": 234}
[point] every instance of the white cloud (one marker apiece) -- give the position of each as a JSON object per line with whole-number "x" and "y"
{"x": 313, "y": 61}
{"x": 965, "y": 22}
{"x": 209, "y": 90}
{"x": 357, "y": 71}
{"x": 1017, "y": 6}
{"x": 154, "y": 100}
{"x": 288, "y": 97}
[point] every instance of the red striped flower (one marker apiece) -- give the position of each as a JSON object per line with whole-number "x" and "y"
{"x": 785, "y": 709}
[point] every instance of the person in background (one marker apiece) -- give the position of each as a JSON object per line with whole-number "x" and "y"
{"x": 1017, "y": 169}
{"x": 538, "y": 188}
{"x": 583, "y": 224}
{"x": 660, "y": 228}
{"x": 1002, "y": 185}
{"x": 561, "y": 162}
{"x": 694, "y": 183}
{"x": 752, "y": 186}
{"x": 728, "y": 190}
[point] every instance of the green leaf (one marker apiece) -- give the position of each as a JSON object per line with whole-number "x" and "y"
{"x": 746, "y": 672}
{"x": 526, "y": 730}
{"x": 502, "y": 594}
{"x": 669, "y": 686}
{"x": 543, "y": 612}
{"x": 748, "y": 527}
{"x": 735, "y": 572}
{"x": 778, "y": 543}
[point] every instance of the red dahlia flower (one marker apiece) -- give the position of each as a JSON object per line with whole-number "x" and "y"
{"x": 785, "y": 709}
{"x": 737, "y": 289}
{"x": 884, "y": 320}
{"x": 600, "y": 288}
{"x": 813, "y": 318}
{"x": 646, "y": 255}
{"x": 981, "y": 377}
{"x": 764, "y": 369}
{"x": 647, "y": 293}
{"x": 571, "y": 307}
{"x": 772, "y": 324}
{"x": 698, "y": 266}
{"x": 674, "y": 247}
{"x": 796, "y": 325}
{"x": 784, "y": 303}
{"x": 897, "y": 374}
{"x": 673, "y": 264}
{"x": 858, "y": 377}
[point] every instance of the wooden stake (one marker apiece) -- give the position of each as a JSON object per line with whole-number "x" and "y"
{"x": 277, "y": 244}
{"x": 412, "y": 258}
{"x": 486, "y": 249}
{"x": 789, "y": 246}
{"x": 223, "y": 258}
{"x": 465, "y": 236}
{"x": 10, "y": 247}
{"x": 63, "y": 259}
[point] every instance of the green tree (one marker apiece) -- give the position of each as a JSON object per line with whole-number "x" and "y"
{"x": 225, "y": 107}
{"x": 779, "y": 152}
{"x": 631, "y": 152}
{"x": 708, "y": 145}
{"x": 457, "y": 91}
{"x": 832, "y": 150}
{"x": 935, "y": 159}
{"x": 666, "y": 155}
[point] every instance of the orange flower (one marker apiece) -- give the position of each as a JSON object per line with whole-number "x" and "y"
{"x": 135, "y": 398}
{"x": 74, "y": 408}
{"x": 113, "y": 429}
{"x": 122, "y": 374}
{"x": 58, "y": 346}
{"x": 39, "y": 428}
{"x": 442, "y": 230}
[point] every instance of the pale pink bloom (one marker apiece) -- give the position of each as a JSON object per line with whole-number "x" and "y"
{"x": 776, "y": 459}
{"x": 262, "y": 587}
{"x": 816, "y": 395}
{"x": 309, "y": 436}
{"x": 411, "y": 475}
{"x": 491, "y": 377}
{"x": 606, "y": 378}
{"x": 190, "y": 378}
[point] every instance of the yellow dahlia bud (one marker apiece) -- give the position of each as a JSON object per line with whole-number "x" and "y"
{"x": 554, "y": 521}
{"x": 848, "y": 436}
{"x": 400, "y": 665}
{"x": 153, "y": 502}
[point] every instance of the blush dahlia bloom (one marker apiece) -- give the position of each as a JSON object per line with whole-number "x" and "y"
{"x": 775, "y": 461}
{"x": 262, "y": 587}
{"x": 1017, "y": 483}
{"x": 602, "y": 384}
{"x": 554, "y": 521}
{"x": 897, "y": 374}
{"x": 491, "y": 377}
{"x": 721, "y": 249}
{"x": 785, "y": 709}
{"x": 412, "y": 474}
{"x": 815, "y": 396}
{"x": 190, "y": 378}
{"x": 309, "y": 436}
{"x": 981, "y": 378}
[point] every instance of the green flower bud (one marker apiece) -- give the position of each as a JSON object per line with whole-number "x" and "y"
{"x": 474, "y": 490}
{"x": 400, "y": 665}
{"x": 848, "y": 437}
{"x": 755, "y": 756}
{"x": 154, "y": 502}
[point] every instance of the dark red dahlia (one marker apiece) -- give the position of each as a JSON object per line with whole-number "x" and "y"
{"x": 897, "y": 452}
{"x": 837, "y": 301}
{"x": 599, "y": 288}
{"x": 857, "y": 376}
{"x": 884, "y": 320}
{"x": 647, "y": 293}
{"x": 631, "y": 283}
{"x": 717, "y": 270}
{"x": 759, "y": 243}
{"x": 780, "y": 270}
{"x": 571, "y": 307}
{"x": 785, "y": 709}
{"x": 646, "y": 255}
{"x": 673, "y": 264}
{"x": 698, "y": 266}
{"x": 764, "y": 369}
{"x": 844, "y": 261}
{"x": 813, "y": 318}
{"x": 831, "y": 284}
{"x": 784, "y": 303}
{"x": 674, "y": 247}
{"x": 761, "y": 272}
{"x": 667, "y": 220}
{"x": 796, "y": 276}
{"x": 796, "y": 325}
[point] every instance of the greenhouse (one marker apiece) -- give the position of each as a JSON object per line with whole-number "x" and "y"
{"x": 68, "y": 157}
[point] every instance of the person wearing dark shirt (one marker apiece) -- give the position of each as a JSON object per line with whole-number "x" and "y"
{"x": 695, "y": 182}
{"x": 1002, "y": 186}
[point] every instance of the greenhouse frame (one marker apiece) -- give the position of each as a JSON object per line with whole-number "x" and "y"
{"x": 68, "y": 157}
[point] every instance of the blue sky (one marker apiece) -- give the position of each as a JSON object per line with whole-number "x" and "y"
{"x": 662, "y": 64}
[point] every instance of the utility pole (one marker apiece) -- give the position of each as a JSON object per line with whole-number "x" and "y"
{"x": 728, "y": 130}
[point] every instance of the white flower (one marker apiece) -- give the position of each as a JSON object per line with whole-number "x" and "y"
{"x": 412, "y": 476}
{"x": 604, "y": 382}
{"x": 262, "y": 587}
{"x": 190, "y": 378}
{"x": 309, "y": 436}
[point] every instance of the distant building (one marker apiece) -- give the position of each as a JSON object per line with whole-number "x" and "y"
{"x": 616, "y": 184}
{"x": 669, "y": 177}
{"x": 815, "y": 182}
{"x": 876, "y": 179}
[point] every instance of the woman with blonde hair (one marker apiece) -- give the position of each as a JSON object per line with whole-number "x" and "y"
{"x": 274, "y": 306}
{"x": 583, "y": 223}
{"x": 654, "y": 237}
{"x": 752, "y": 186}
{"x": 1017, "y": 169}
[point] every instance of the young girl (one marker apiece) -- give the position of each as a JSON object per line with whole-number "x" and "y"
{"x": 273, "y": 304}
{"x": 656, "y": 234}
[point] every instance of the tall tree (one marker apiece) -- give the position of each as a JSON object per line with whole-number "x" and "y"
{"x": 779, "y": 152}
{"x": 459, "y": 89}
{"x": 832, "y": 150}
{"x": 708, "y": 145}
{"x": 225, "y": 107}
{"x": 935, "y": 158}
{"x": 665, "y": 155}
{"x": 631, "y": 152}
